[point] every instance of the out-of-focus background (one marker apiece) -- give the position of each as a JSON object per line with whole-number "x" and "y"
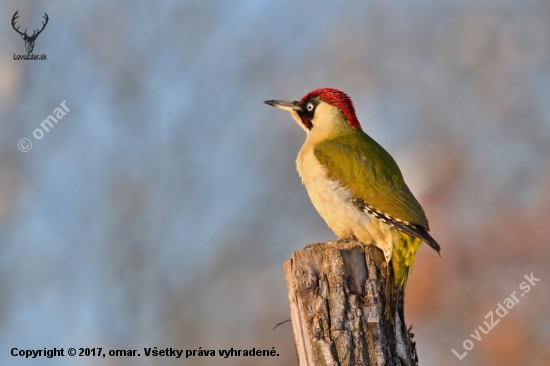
{"x": 159, "y": 210}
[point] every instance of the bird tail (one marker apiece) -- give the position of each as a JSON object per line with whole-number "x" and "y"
{"x": 396, "y": 298}
{"x": 404, "y": 250}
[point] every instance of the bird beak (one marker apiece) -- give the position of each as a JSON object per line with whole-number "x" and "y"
{"x": 287, "y": 106}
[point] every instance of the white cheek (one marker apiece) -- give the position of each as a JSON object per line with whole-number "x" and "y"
{"x": 326, "y": 116}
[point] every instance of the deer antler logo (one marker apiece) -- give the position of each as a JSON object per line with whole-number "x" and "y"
{"x": 29, "y": 40}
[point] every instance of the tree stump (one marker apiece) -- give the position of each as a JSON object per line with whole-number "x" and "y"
{"x": 338, "y": 307}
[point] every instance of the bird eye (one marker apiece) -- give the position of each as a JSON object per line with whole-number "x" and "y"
{"x": 309, "y": 107}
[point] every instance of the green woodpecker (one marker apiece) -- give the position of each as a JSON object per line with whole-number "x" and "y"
{"x": 356, "y": 186}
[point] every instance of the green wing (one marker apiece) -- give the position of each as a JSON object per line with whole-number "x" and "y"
{"x": 360, "y": 164}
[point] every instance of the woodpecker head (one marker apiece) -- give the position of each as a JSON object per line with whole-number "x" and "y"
{"x": 322, "y": 112}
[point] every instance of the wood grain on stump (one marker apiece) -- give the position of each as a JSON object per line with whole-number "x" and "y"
{"x": 338, "y": 307}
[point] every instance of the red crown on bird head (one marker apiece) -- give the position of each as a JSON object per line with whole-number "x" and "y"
{"x": 338, "y": 99}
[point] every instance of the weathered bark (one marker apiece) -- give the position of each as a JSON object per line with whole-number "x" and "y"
{"x": 338, "y": 307}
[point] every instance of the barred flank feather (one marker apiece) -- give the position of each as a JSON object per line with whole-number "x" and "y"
{"x": 411, "y": 229}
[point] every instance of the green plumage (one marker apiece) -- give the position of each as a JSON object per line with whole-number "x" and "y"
{"x": 360, "y": 164}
